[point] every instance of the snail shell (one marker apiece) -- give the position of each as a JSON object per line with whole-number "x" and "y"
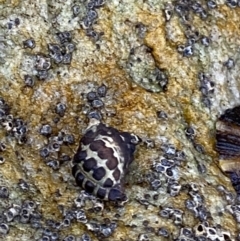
{"x": 228, "y": 144}
{"x": 102, "y": 160}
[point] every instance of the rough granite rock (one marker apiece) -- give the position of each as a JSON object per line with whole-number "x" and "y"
{"x": 54, "y": 53}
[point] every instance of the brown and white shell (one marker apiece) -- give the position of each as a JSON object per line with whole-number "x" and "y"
{"x": 228, "y": 144}
{"x": 102, "y": 160}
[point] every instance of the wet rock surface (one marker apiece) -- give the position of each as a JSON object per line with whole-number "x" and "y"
{"x": 163, "y": 70}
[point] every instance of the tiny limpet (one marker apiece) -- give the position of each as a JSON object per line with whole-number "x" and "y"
{"x": 228, "y": 144}
{"x": 102, "y": 160}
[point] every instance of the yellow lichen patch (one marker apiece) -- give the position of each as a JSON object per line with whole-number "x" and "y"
{"x": 207, "y": 141}
{"x": 203, "y": 135}
{"x": 157, "y": 40}
{"x": 45, "y": 185}
{"x": 215, "y": 170}
{"x": 226, "y": 21}
{"x": 174, "y": 33}
{"x": 10, "y": 172}
{"x": 150, "y": 19}
{"x": 136, "y": 110}
{"x": 143, "y": 162}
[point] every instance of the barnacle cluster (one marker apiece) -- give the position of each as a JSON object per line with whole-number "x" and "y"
{"x": 187, "y": 11}
{"x": 102, "y": 230}
{"x": 24, "y": 212}
{"x": 42, "y": 65}
{"x": 196, "y": 203}
{"x": 235, "y": 211}
{"x": 166, "y": 167}
{"x": 15, "y": 127}
{"x": 88, "y": 16}
{"x": 203, "y": 231}
{"x": 95, "y": 102}
{"x": 62, "y": 53}
{"x": 174, "y": 214}
{"x": 58, "y": 53}
{"x": 50, "y": 151}
{"x": 206, "y": 88}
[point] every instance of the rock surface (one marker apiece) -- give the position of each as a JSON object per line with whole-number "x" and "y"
{"x": 54, "y": 53}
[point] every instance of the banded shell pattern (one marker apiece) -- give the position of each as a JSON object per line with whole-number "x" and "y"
{"x": 102, "y": 160}
{"x": 228, "y": 144}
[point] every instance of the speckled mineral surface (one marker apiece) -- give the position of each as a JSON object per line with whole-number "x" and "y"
{"x": 163, "y": 70}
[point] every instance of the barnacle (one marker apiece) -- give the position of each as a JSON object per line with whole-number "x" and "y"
{"x": 102, "y": 159}
{"x": 28, "y": 81}
{"x": 29, "y": 43}
{"x": 228, "y": 144}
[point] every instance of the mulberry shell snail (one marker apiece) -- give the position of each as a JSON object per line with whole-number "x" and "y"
{"x": 228, "y": 145}
{"x": 102, "y": 160}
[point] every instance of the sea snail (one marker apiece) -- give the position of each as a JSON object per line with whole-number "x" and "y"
{"x": 102, "y": 160}
{"x": 228, "y": 145}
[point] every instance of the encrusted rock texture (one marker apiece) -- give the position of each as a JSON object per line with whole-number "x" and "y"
{"x": 170, "y": 69}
